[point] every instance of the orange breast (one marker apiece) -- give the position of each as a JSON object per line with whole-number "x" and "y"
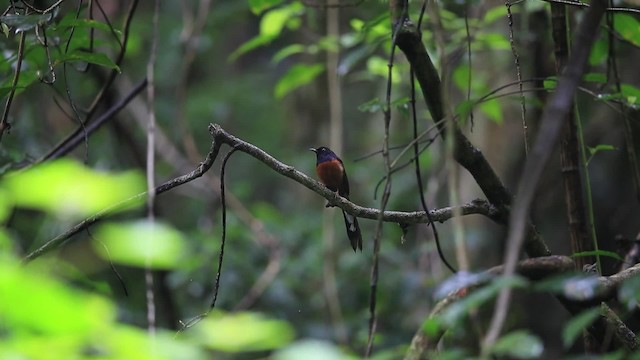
{"x": 330, "y": 174}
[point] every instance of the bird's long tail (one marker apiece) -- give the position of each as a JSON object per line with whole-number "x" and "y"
{"x": 353, "y": 231}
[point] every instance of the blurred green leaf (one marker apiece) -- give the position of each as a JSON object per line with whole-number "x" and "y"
{"x": 141, "y": 244}
{"x": 27, "y": 77}
{"x": 372, "y": 106}
{"x": 577, "y": 325}
{"x": 599, "y": 51}
{"x": 39, "y": 304}
{"x": 550, "y": 83}
{"x": 241, "y": 332}
{"x": 271, "y": 26}
{"x": 258, "y": 6}
{"x": 310, "y": 350}
{"x": 286, "y": 52}
{"x": 630, "y": 94}
{"x": 595, "y": 77}
{"x": 74, "y": 22}
{"x": 298, "y": 75}
{"x": 610, "y": 254}
{"x": 432, "y": 326}
{"x": 494, "y": 41}
{"x": 91, "y": 58}
{"x": 628, "y": 27}
{"x": 495, "y": 13}
{"x": 27, "y": 22}
{"x": 67, "y": 188}
{"x": 378, "y": 66}
{"x": 493, "y": 110}
{"x": 519, "y": 344}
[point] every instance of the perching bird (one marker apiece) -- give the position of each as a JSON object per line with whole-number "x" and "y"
{"x": 332, "y": 174}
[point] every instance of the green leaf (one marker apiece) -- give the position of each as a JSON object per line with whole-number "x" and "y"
{"x": 258, "y": 6}
{"x": 628, "y": 27}
{"x": 494, "y": 41}
{"x": 372, "y": 106}
{"x": 40, "y": 304}
{"x": 610, "y": 254}
{"x": 68, "y": 189}
{"x": 493, "y": 110}
{"x": 520, "y": 344}
{"x": 241, "y": 332}
{"x": 27, "y": 22}
{"x": 599, "y": 52}
{"x": 271, "y": 26}
{"x": 378, "y": 66}
{"x": 73, "y": 22}
{"x": 577, "y": 324}
{"x": 141, "y": 244}
{"x": 286, "y": 52}
{"x": 550, "y": 83}
{"x": 595, "y": 77}
{"x": 630, "y": 94}
{"x": 90, "y": 57}
{"x": 298, "y": 75}
{"x": 27, "y": 77}
{"x": 432, "y": 326}
{"x": 495, "y": 13}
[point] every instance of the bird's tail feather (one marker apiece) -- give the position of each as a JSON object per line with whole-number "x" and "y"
{"x": 353, "y": 231}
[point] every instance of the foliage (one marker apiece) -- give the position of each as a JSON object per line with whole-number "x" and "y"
{"x": 289, "y": 288}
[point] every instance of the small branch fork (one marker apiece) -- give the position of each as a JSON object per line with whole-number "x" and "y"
{"x": 220, "y": 136}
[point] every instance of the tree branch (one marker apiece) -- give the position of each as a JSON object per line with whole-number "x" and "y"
{"x": 481, "y": 207}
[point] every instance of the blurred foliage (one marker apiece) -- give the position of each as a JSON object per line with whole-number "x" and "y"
{"x": 290, "y": 287}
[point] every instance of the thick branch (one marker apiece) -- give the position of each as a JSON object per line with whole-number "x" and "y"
{"x": 467, "y": 155}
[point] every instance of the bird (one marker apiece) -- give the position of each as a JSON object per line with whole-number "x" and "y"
{"x": 331, "y": 172}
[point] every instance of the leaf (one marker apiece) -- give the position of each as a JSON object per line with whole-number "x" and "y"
{"x": 520, "y": 344}
{"x": 372, "y": 106}
{"x": 68, "y": 189}
{"x": 599, "y": 52}
{"x": 550, "y": 83}
{"x": 628, "y": 27}
{"x": 286, "y": 52}
{"x": 298, "y": 75}
{"x": 73, "y": 22}
{"x": 27, "y": 22}
{"x": 630, "y": 94}
{"x": 99, "y": 59}
{"x": 595, "y": 77}
{"x": 493, "y": 110}
{"x": 258, "y": 6}
{"x": 495, "y": 13}
{"x": 577, "y": 324}
{"x": 610, "y": 254}
{"x": 494, "y": 41}
{"x": 241, "y": 332}
{"x": 140, "y": 244}
{"x": 271, "y": 26}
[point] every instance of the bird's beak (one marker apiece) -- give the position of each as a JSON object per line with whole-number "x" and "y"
{"x": 314, "y": 150}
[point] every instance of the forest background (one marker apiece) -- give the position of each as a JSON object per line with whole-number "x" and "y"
{"x": 463, "y": 93}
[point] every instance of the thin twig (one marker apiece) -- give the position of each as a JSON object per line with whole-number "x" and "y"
{"x": 4, "y": 123}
